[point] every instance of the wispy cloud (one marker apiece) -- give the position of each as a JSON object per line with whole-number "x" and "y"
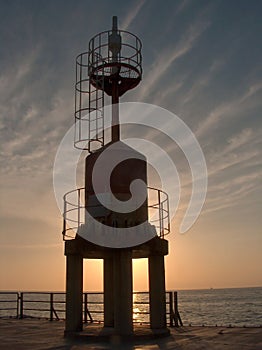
{"x": 224, "y": 191}
{"x": 230, "y": 194}
{"x": 132, "y": 14}
{"x": 234, "y": 172}
{"x": 204, "y": 80}
{"x": 181, "y": 7}
{"x": 229, "y": 108}
{"x": 234, "y": 142}
{"x": 164, "y": 60}
{"x": 33, "y": 116}
{"x": 190, "y": 91}
{"x": 169, "y": 90}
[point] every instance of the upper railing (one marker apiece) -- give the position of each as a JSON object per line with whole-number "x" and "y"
{"x": 74, "y": 211}
{"x": 129, "y": 59}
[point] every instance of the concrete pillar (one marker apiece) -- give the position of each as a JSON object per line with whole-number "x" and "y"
{"x": 108, "y": 292}
{"x": 74, "y": 293}
{"x": 123, "y": 292}
{"x": 157, "y": 296}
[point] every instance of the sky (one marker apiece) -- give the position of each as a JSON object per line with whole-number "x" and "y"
{"x": 201, "y": 61}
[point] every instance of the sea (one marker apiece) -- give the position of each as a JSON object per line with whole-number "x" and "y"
{"x": 240, "y": 307}
{"x": 234, "y": 306}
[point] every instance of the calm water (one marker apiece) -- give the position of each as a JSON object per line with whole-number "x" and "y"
{"x": 236, "y": 307}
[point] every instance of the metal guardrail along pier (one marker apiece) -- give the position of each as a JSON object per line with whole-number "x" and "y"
{"x": 51, "y": 306}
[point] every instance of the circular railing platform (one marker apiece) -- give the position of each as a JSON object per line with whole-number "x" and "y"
{"x": 74, "y": 211}
{"x": 127, "y": 66}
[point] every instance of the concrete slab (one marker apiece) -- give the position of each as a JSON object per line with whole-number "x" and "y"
{"x": 45, "y": 335}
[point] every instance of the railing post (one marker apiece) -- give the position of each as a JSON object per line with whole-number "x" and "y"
{"x": 176, "y": 312}
{"x": 64, "y": 217}
{"x": 159, "y": 213}
{"x": 22, "y": 305}
{"x": 168, "y": 218}
{"x": 17, "y": 305}
{"x": 162, "y": 221}
{"x": 51, "y": 306}
{"x": 85, "y": 307}
{"x": 78, "y": 208}
{"x": 175, "y": 309}
{"x": 171, "y": 311}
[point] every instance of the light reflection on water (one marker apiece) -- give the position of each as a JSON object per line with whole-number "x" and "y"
{"x": 141, "y": 308}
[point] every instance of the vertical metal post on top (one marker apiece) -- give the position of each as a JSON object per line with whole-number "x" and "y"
{"x": 115, "y": 48}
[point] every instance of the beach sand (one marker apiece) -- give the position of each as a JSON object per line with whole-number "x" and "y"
{"x": 44, "y": 335}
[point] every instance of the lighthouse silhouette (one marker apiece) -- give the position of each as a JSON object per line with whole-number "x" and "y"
{"x": 111, "y": 218}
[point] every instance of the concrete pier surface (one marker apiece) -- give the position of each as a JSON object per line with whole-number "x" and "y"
{"x": 45, "y": 335}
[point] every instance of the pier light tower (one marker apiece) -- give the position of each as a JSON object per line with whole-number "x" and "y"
{"x": 111, "y": 67}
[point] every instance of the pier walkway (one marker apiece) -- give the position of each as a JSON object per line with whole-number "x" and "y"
{"x": 45, "y": 335}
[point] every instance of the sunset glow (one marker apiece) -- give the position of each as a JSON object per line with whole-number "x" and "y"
{"x": 202, "y": 62}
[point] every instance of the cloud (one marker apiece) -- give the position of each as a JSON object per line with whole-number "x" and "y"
{"x": 164, "y": 60}
{"x": 239, "y": 148}
{"x": 34, "y": 115}
{"x": 224, "y": 191}
{"x": 132, "y": 14}
{"x": 203, "y": 81}
{"x": 234, "y": 142}
{"x": 230, "y": 108}
{"x": 181, "y": 7}
{"x": 234, "y": 173}
{"x": 169, "y": 90}
{"x": 230, "y": 194}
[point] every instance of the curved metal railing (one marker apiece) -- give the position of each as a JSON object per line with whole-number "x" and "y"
{"x": 74, "y": 211}
{"x": 129, "y": 59}
{"x": 89, "y": 105}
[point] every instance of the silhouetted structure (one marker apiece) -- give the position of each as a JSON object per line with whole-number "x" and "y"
{"x": 111, "y": 66}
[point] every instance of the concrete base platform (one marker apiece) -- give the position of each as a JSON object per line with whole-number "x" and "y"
{"x": 97, "y": 333}
{"x": 45, "y": 335}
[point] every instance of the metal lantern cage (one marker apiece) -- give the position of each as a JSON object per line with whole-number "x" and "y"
{"x": 95, "y": 71}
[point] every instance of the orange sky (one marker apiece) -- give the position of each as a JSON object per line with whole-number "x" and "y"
{"x": 203, "y": 63}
